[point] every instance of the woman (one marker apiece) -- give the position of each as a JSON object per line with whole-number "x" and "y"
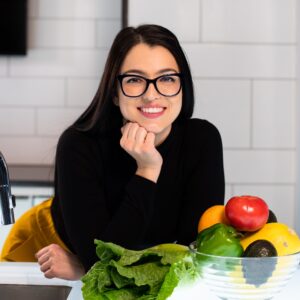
{"x": 134, "y": 169}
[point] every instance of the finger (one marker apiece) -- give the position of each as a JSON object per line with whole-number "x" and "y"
{"x": 49, "y": 274}
{"x": 125, "y": 130}
{"x": 42, "y": 259}
{"x": 133, "y": 128}
{"x": 124, "y": 133}
{"x": 46, "y": 266}
{"x": 124, "y": 125}
{"x": 140, "y": 135}
{"x": 42, "y": 252}
{"x": 150, "y": 139}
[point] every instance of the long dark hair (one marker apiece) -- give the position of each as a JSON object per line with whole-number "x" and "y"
{"x": 103, "y": 115}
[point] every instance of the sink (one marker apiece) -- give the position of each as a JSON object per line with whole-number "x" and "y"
{"x": 19, "y": 281}
{"x": 34, "y": 292}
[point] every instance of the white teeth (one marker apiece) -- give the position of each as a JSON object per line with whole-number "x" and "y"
{"x": 152, "y": 110}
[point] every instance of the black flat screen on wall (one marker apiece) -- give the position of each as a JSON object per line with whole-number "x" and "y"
{"x": 13, "y": 27}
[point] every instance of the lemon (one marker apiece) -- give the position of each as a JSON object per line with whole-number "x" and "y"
{"x": 284, "y": 239}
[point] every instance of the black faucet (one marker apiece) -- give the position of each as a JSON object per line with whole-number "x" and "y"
{"x": 7, "y": 200}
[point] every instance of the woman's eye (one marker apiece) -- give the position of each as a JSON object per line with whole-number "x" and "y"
{"x": 167, "y": 79}
{"x": 133, "y": 80}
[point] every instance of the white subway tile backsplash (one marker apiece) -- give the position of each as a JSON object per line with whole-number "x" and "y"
{"x": 260, "y": 166}
{"x": 52, "y": 122}
{"x": 59, "y": 62}
{"x": 241, "y": 61}
{"x": 108, "y": 9}
{"x": 24, "y": 150}
{"x": 31, "y": 92}
{"x": 61, "y": 69}
{"x": 106, "y": 30}
{"x": 280, "y": 199}
{"x": 274, "y": 120}
{"x": 258, "y": 21}
{"x": 226, "y": 103}
{"x": 80, "y": 92}
{"x": 182, "y": 19}
{"x": 61, "y": 33}
{"x": 80, "y": 8}
{"x": 67, "y": 8}
{"x": 17, "y": 121}
{"x": 228, "y": 192}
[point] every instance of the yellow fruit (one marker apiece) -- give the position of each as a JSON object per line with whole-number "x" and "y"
{"x": 213, "y": 215}
{"x": 284, "y": 239}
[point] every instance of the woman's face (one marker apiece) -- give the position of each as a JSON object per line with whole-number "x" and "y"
{"x": 153, "y": 111}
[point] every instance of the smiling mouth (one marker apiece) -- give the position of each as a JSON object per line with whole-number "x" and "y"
{"x": 152, "y": 112}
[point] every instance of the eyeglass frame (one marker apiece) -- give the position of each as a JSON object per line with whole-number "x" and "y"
{"x": 120, "y": 78}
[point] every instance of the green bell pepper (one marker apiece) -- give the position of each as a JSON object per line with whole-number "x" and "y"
{"x": 219, "y": 239}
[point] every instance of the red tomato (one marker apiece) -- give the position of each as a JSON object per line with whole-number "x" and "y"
{"x": 247, "y": 213}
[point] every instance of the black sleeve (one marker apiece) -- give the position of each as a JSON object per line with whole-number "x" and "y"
{"x": 205, "y": 184}
{"x": 79, "y": 184}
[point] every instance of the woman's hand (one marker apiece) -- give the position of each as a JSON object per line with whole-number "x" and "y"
{"x": 57, "y": 262}
{"x": 140, "y": 145}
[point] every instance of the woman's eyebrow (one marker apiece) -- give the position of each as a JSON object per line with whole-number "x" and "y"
{"x": 167, "y": 70}
{"x": 140, "y": 72}
{"x": 135, "y": 71}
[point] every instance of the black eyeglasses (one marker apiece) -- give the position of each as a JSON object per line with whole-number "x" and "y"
{"x": 135, "y": 85}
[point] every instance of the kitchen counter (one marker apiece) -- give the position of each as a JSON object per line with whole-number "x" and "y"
{"x": 30, "y": 274}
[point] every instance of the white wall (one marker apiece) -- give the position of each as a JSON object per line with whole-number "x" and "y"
{"x": 45, "y": 91}
{"x": 243, "y": 59}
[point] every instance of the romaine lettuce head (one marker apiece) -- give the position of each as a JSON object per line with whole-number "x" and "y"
{"x": 122, "y": 274}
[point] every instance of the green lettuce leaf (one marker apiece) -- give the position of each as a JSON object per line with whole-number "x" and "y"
{"x": 148, "y": 274}
{"x": 123, "y": 294}
{"x": 181, "y": 271}
{"x": 119, "y": 280}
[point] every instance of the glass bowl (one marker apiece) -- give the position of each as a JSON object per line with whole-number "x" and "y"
{"x": 238, "y": 278}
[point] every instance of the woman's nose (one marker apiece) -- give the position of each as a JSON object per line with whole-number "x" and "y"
{"x": 151, "y": 93}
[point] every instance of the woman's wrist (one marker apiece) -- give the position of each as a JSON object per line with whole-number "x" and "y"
{"x": 149, "y": 173}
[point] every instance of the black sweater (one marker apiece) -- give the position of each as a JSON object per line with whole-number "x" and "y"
{"x": 98, "y": 195}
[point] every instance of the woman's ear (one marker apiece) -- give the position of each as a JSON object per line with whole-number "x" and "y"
{"x": 116, "y": 100}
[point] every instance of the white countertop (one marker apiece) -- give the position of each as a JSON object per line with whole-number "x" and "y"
{"x": 29, "y": 273}
{"x": 26, "y": 273}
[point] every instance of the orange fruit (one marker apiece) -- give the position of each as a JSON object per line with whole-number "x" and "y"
{"x": 213, "y": 215}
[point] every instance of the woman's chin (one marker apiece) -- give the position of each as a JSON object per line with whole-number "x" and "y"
{"x": 152, "y": 128}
